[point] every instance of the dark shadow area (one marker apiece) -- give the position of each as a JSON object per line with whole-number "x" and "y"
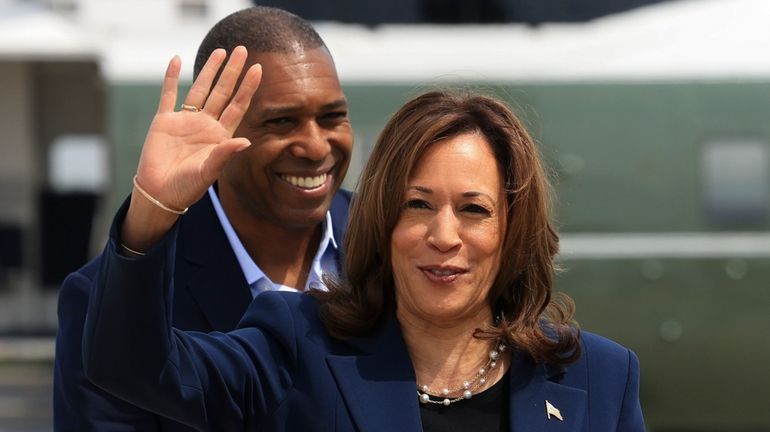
{"x": 455, "y": 11}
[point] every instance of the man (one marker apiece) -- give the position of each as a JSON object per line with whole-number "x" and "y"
{"x": 273, "y": 220}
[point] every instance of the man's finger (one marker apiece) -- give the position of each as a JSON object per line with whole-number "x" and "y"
{"x": 236, "y": 109}
{"x": 169, "y": 88}
{"x": 199, "y": 91}
{"x": 212, "y": 166}
{"x": 223, "y": 89}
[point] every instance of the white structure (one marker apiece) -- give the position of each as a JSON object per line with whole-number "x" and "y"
{"x": 677, "y": 40}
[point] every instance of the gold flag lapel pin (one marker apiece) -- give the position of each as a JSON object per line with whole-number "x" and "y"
{"x": 551, "y": 410}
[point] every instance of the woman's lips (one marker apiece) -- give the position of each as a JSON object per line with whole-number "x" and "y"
{"x": 442, "y": 274}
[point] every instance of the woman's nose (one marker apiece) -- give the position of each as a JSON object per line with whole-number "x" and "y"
{"x": 444, "y": 231}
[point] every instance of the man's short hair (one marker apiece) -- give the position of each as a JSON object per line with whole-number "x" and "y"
{"x": 259, "y": 29}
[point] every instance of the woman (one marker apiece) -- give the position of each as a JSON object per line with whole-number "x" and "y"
{"x": 444, "y": 320}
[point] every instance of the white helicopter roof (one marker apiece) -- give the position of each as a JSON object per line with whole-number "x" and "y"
{"x": 32, "y": 33}
{"x": 687, "y": 39}
{"x": 677, "y": 40}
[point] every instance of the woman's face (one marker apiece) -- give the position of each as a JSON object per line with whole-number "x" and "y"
{"x": 446, "y": 245}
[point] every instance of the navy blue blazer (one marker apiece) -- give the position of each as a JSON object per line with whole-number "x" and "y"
{"x": 281, "y": 371}
{"x": 211, "y": 295}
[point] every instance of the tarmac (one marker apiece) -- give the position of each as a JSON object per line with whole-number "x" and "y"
{"x": 26, "y": 384}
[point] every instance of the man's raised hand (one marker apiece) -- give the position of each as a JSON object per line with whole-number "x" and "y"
{"x": 186, "y": 150}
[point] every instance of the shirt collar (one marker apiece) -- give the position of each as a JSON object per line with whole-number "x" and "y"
{"x": 251, "y": 270}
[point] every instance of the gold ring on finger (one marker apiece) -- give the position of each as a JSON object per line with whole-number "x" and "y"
{"x": 191, "y": 108}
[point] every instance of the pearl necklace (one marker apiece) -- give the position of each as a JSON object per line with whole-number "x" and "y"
{"x": 467, "y": 387}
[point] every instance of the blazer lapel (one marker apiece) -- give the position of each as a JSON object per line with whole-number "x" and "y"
{"x": 532, "y": 391}
{"x": 339, "y": 211}
{"x": 378, "y": 386}
{"x": 208, "y": 269}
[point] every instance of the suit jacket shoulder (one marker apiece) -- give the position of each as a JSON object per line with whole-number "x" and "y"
{"x": 609, "y": 373}
{"x": 210, "y": 292}
{"x": 206, "y": 262}
{"x": 78, "y": 405}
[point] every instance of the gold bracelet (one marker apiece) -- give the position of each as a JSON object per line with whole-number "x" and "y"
{"x": 131, "y": 251}
{"x": 156, "y": 202}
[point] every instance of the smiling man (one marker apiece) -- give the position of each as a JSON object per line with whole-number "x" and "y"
{"x": 273, "y": 220}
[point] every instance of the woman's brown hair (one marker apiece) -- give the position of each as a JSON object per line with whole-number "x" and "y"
{"x": 530, "y": 319}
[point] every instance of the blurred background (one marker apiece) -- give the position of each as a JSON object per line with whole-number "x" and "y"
{"x": 652, "y": 115}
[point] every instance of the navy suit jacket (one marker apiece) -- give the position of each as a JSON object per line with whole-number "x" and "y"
{"x": 281, "y": 371}
{"x": 211, "y": 295}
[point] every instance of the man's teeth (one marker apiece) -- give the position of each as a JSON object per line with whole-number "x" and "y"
{"x": 443, "y": 272}
{"x": 305, "y": 182}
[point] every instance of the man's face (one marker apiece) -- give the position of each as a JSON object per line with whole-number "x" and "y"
{"x": 301, "y": 141}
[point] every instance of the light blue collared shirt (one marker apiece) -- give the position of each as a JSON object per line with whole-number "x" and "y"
{"x": 325, "y": 259}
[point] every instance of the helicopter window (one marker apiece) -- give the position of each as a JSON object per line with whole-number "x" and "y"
{"x": 736, "y": 181}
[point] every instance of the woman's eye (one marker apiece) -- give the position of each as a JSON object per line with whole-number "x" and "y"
{"x": 417, "y": 204}
{"x": 475, "y": 208}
